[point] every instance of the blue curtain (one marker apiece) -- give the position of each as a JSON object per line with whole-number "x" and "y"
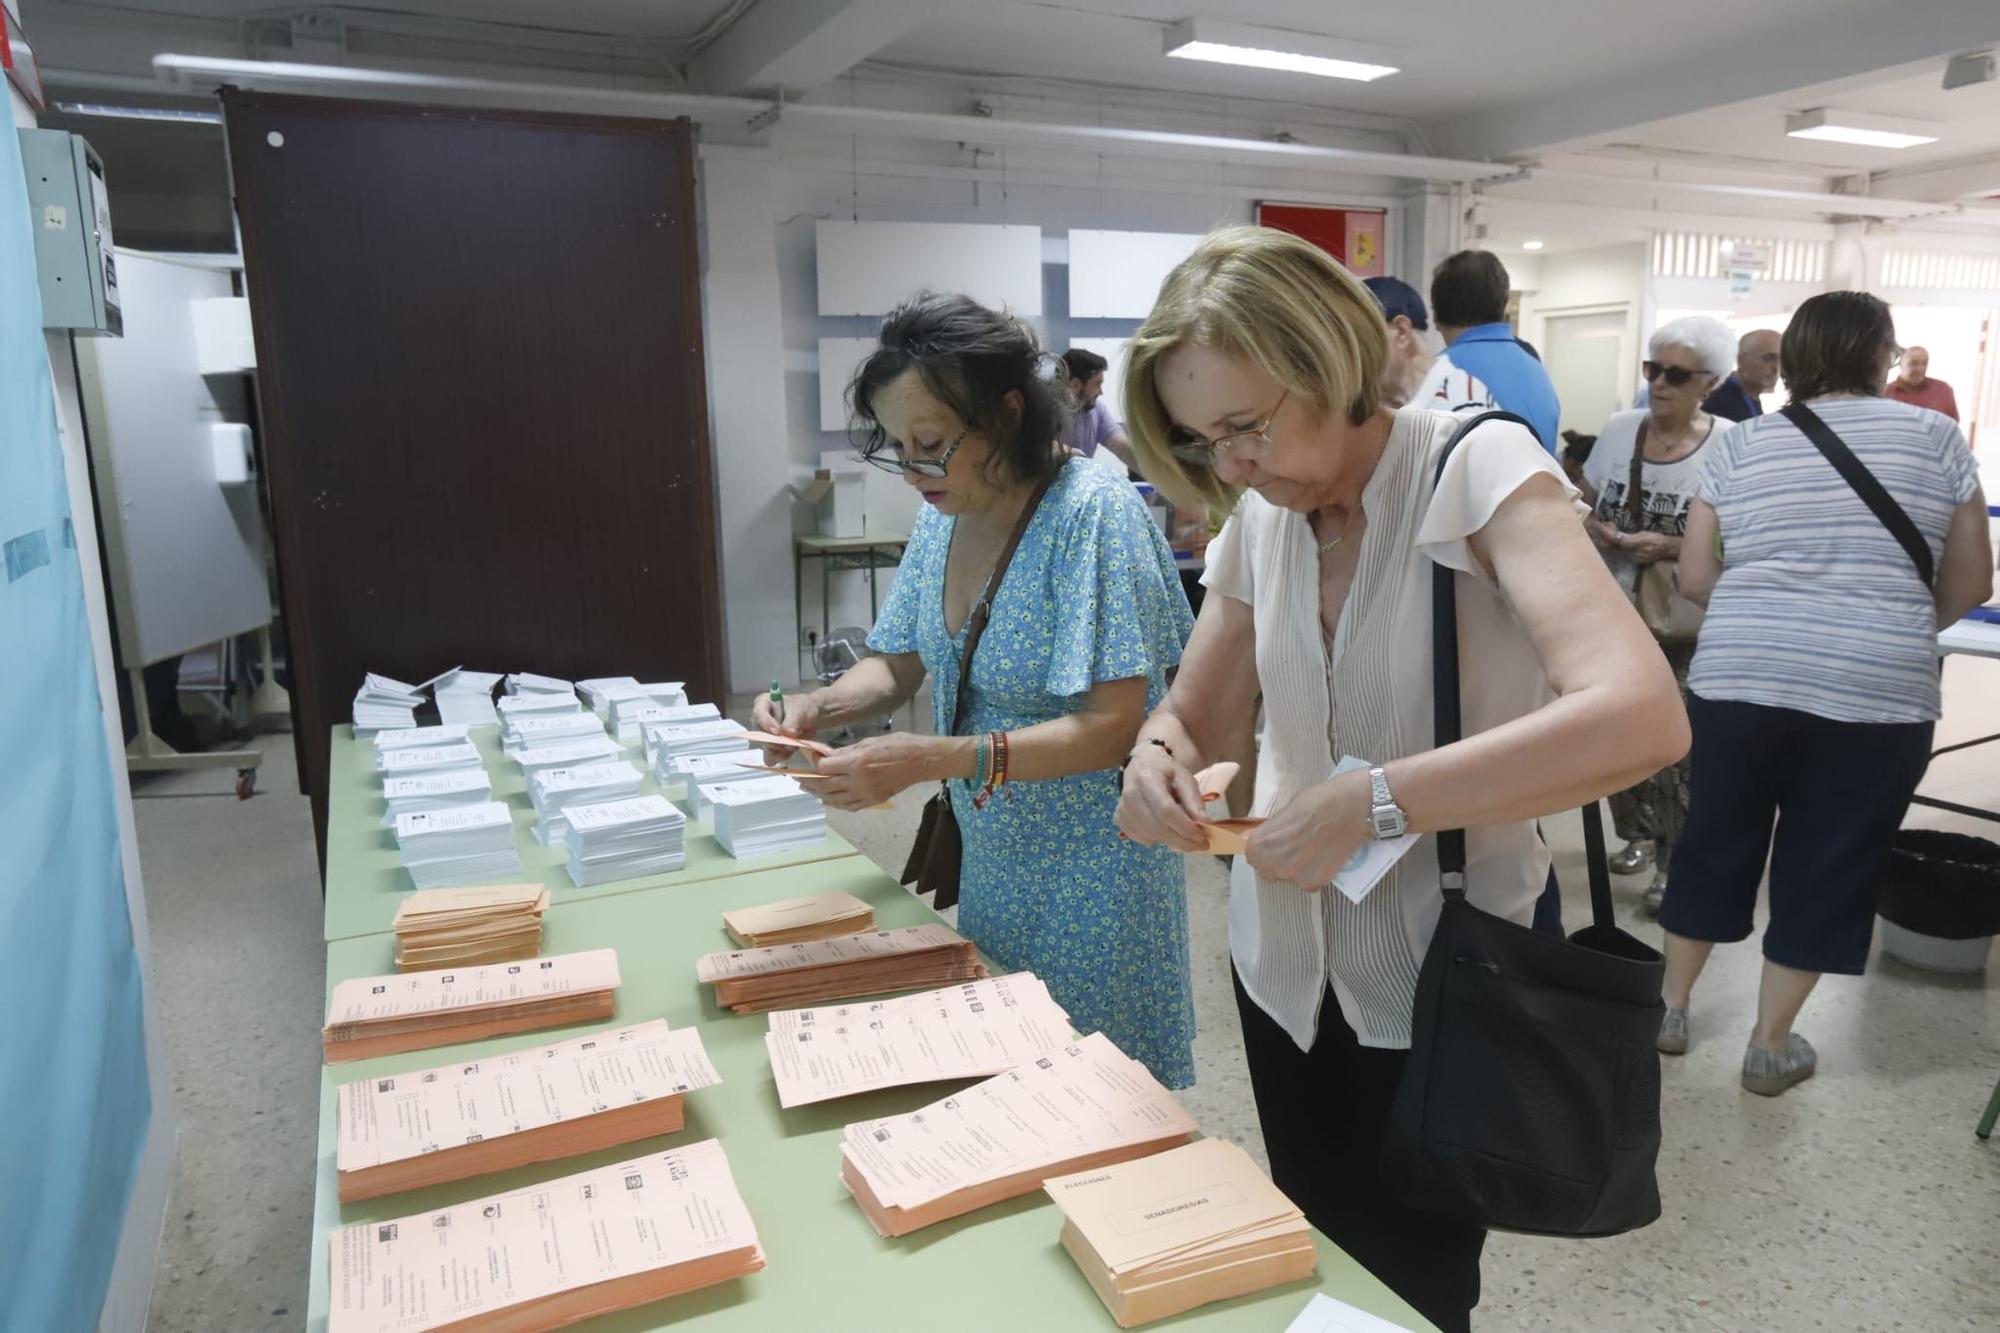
{"x": 72, "y": 1051}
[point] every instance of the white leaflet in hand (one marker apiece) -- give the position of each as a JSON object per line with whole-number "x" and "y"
{"x": 1376, "y": 858}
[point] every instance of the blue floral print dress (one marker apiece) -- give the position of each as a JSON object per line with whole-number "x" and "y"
{"x": 1047, "y": 884}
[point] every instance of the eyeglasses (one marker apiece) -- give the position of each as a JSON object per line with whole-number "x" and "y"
{"x": 1246, "y": 446}
{"x": 890, "y": 459}
{"x": 1675, "y": 376}
{"x": 1895, "y": 355}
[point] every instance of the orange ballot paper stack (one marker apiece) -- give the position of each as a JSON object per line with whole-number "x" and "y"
{"x": 1082, "y": 1106}
{"x": 795, "y": 920}
{"x": 429, "y": 1126}
{"x": 967, "y": 1031}
{"x": 1180, "y": 1229}
{"x": 415, "y": 1011}
{"x": 554, "y": 1254}
{"x": 751, "y": 981}
{"x": 491, "y": 923}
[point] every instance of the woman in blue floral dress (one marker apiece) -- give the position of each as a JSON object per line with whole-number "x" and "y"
{"x": 1084, "y": 626}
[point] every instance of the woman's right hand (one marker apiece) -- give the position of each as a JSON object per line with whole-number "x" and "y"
{"x": 1161, "y": 804}
{"x": 801, "y": 720}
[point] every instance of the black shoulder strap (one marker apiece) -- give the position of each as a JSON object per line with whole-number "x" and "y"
{"x": 1857, "y": 475}
{"x": 1447, "y": 724}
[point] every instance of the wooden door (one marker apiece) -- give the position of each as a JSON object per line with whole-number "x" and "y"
{"x": 485, "y": 431}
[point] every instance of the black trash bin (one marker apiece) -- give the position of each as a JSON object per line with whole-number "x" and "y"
{"x": 1943, "y": 884}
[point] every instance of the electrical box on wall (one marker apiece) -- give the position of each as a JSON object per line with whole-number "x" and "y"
{"x": 70, "y": 213}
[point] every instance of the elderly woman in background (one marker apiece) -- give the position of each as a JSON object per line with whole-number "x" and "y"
{"x": 1086, "y": 621}
{"x": 1640, "y": 477}
{"x": 1816, "y": 685}
{"x": 1255, "y": 386}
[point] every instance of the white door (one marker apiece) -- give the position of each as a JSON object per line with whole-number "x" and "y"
{"x": 1582, "y": 356}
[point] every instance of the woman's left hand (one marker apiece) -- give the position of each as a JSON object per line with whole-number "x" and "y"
{"x": 1314, "y": 837}
{"x": 870, "y": 772}
{"x": 1648, "y": 548}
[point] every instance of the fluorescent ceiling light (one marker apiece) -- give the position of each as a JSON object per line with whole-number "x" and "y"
{"x": 171, "y": 115}
{"x": 1859, "y": 127}
{"x": 1531, "y": 245}
{"x": 1276, "y": 48}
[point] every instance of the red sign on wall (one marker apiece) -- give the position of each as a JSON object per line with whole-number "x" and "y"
{"x": 23, "y": 70}
{"x": 1351, "y": 235}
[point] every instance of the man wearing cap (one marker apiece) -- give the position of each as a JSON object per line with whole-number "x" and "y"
{"x": 1415, "y": 375}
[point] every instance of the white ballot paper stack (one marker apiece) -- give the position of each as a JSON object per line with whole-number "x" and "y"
{"x": 471, "y": 845}
{"x": 753, "y": 981}
{"x": 1179, "y": 1229}
{"x": 533, "y": 730}
{"x": 968, "y": 1031}
{"x": 382, "y": 704}
{"x": 538, "y": 704}
{"x": 401, "y": 761}
{"x": 640, "y": 835}
{"x": 552, "y": 1254}
{"x": 527, "y": 682}
{"x": 465, "y": 697}
{"x": 444, "y": 789}
{"x": 597, "y": 692}
{"x": 683, "y": 777}
{"x": 671, "y": 693}
{"x": 763, "y": 815}
{"x": 429, "y": 1126}
{"x": 818, "y": 917}
{"x": 667, "y": 742}
{"x": 568, "y": 754}
{"x": 551, "y": 789}
{"x": 410, "y": 738}
{"x": 414, "y": 1011}
{"x": 631, "y": 714}
{"x": 1081, "y": 1106}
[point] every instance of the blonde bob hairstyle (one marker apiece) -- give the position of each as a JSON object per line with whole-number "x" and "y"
{"x": 1276, "y": 301}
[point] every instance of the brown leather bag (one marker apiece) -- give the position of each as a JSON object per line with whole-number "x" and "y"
{"x": 1656, "y": 592}
{"x": 938, "y": 855}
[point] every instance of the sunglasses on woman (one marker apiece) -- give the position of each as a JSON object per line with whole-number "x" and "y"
{"x": 890, "y": 458}
{"x": 1246, "y": 446}
{"x": 1675, "y": 376}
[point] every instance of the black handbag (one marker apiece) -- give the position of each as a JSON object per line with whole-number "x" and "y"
{"x": 1531, "y": 1098}
{"x": 937, "y": 856}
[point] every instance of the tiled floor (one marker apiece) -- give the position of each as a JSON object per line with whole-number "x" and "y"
{"x": 1860, "y": 1200}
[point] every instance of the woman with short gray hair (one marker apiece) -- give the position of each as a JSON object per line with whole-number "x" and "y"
{"x": 1640, "y": 478}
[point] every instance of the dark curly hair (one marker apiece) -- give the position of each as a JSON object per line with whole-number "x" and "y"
{"x": 970, "y": 358}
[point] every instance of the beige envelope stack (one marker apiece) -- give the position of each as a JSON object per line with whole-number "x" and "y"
{"x": 553, "y": 1254}
{"x": 752, "y": 981}
{"x": 1083, "y": 1106}
{"x": 414, "y": 1011}
{"x": 407, "y": 1131}
{"x": 796, "y": 920}
{"x": 1179, "y": 1229}
{"x": 969, "y": 1030}
{"x": 469, "y": 927}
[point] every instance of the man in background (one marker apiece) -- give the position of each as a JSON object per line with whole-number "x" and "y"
{"x": 1091, "y": 423}
{"x": 1414, "y": 375}
{"x": 1469, "y": 300}
{"x": 1915, "y": 386}
{"x": 1737, "y": 398}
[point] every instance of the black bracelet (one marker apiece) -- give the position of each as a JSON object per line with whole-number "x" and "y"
{"x": 1135, "y": 754}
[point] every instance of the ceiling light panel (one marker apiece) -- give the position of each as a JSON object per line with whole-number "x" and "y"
{"x": 1829, "y": 125}
{"x": 1277, "y": 48}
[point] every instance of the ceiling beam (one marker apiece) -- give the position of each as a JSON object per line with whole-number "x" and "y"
{"x": 1860, "y": 40}
{"x": 1967, "y": 178}
{"x": 794, "y": 46}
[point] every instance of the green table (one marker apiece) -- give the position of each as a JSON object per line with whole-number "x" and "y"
{"x": 997, "y": 1269}
{"x": 365, "y": 879}
{"x": 871, "y": 551}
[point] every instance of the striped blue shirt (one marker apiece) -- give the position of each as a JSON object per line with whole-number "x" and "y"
{"x": 1819, "y": 608}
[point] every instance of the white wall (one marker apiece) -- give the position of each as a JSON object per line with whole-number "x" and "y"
{"x": 132, "y": 1270}
{"x": 1581, "y": 280}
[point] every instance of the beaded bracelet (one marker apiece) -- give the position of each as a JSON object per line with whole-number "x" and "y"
{"x": 996, "y": 774}
{"x": 979, "y": 763}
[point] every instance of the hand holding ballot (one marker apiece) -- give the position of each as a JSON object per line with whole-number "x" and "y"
{"x": 868, "y": 772}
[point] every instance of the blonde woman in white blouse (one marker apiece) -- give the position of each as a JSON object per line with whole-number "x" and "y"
{"x": 1257, "y": 376}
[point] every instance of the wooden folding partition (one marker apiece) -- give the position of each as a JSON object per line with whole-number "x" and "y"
{"x": 485, "y": 432}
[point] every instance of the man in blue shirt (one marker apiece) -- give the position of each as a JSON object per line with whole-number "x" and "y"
{"x": 1469, "y": 306}
{"x": 1736, "y": 398}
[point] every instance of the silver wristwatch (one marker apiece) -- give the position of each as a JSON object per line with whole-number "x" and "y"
{"x": 1384, "y": 815}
